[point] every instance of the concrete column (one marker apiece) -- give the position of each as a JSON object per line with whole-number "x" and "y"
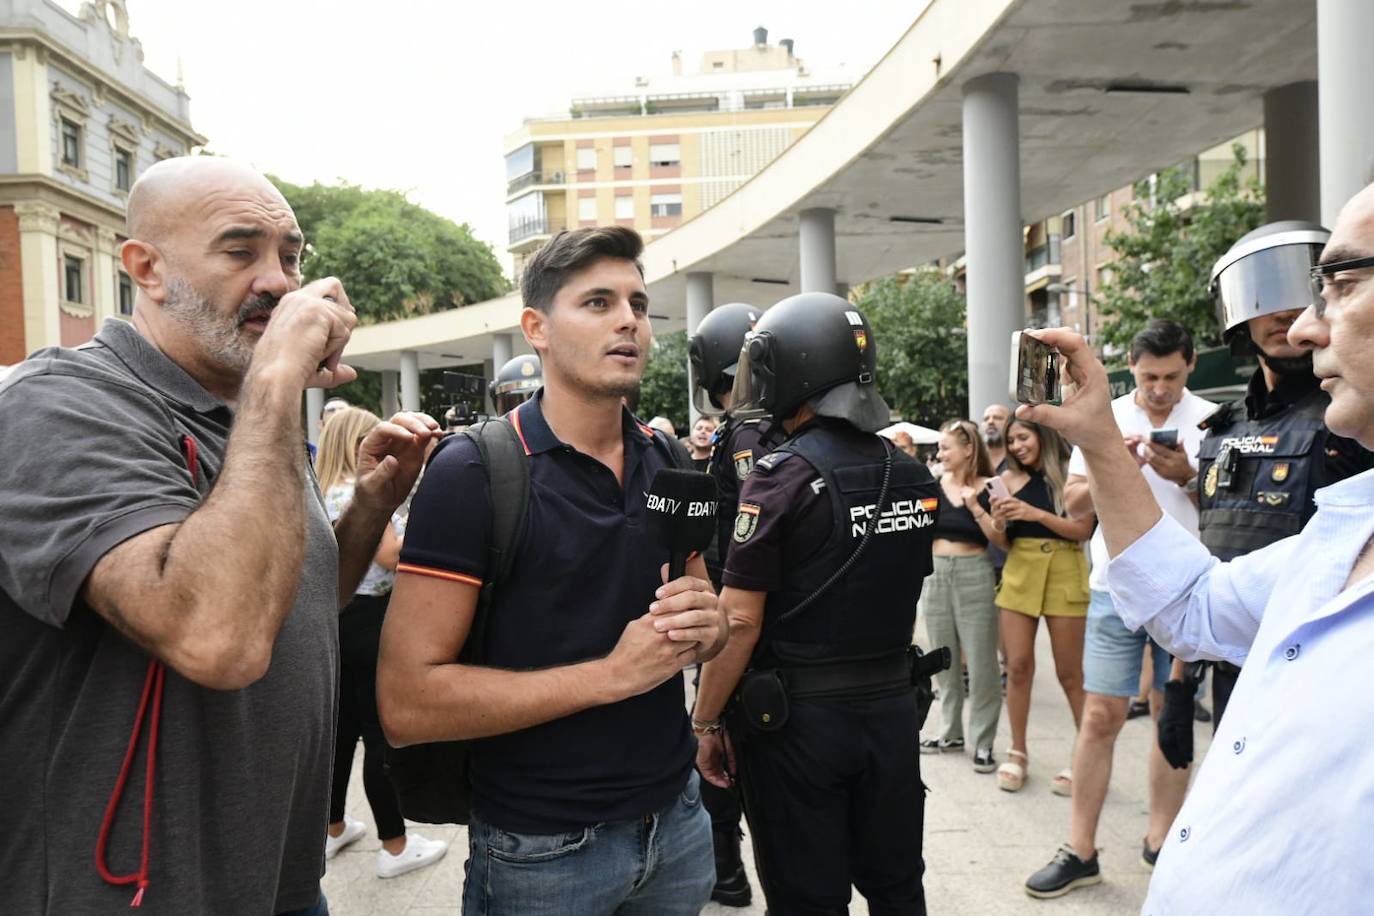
{"x": 700, "y": 300}
{"x": 390, "y": 404}
{"x": 818, "y": 250}
{"x": 314, "y": 409}
{"x": 992, "y": 235}
{"x": 1292, "y": 158}
{"x": 1345, "y": 33}
{"x": 410, "y": 380}
{"x": 501, "y": 350}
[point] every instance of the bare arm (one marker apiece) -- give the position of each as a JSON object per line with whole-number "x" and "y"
{"x": 208, "y": 595}
{"x": 744, "y": 612}
{"x": 390, "y": 459}
{"x": 389, "y": 550}
{"x": 1078, "y": 498}
{"x": 423, "y": 694}
{"x": 1120, "y": 496}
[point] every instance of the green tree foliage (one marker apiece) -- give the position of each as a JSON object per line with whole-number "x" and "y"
{"x": 1165, "y": 257}
{"x": 664, "y": 390}
{"x": 395, "y": 258}
{"x": 919, "y": 323}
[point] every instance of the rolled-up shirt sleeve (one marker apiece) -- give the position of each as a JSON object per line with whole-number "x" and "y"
{"x": 1194, "y": 605}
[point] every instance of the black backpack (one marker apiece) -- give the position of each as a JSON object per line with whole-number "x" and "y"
{"x": 431, "y": 780}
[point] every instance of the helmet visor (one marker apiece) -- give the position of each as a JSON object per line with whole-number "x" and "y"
{"x": 701, "y": 398}
{"x": 755, "y": 384}
{"x": 1267, "y": 281}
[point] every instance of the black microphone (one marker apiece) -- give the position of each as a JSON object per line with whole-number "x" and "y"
{"x": 682, "y": 514}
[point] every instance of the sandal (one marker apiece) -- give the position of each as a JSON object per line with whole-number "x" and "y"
{"x": 1011, "y": 776}
{"x": 1062, "y": 783}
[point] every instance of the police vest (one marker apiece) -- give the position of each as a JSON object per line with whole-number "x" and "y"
{"x": 871, "y": 610}
{"x": 1257, "y": 477}
{"x": 731, "y": 463}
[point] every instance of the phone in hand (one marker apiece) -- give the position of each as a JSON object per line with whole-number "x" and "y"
{"x": 1165, "y": 437}
{"x": 1035, "y": 371}
{"x": 997, "y": 489}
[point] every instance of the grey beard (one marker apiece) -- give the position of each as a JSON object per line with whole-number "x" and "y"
{"x": 992, "y": 440}
{"x": 220, "y": 335}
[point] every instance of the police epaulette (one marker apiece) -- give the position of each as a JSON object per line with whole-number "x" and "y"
{"x": 768, "y": 462}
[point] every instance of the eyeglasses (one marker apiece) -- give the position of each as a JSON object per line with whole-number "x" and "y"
{"x": 1322, "y": 281}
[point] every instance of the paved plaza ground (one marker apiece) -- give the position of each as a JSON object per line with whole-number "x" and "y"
{"x": 980, "y": 843}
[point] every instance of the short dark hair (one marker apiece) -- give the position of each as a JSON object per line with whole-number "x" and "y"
{"x": 568, "y": 252}
{"x": 1161, "y": 337}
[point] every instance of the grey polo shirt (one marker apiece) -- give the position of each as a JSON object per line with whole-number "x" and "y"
{"x": 90, "y": 456}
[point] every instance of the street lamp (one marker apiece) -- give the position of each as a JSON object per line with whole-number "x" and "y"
{"x": 1060, "y": 289}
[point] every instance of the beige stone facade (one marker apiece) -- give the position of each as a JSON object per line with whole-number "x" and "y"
{"x": 84, "y": 118}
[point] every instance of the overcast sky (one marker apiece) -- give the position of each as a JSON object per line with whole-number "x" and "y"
{"x": 417, "y": 94}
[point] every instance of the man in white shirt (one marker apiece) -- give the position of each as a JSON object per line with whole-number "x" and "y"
{"x": 1159, "y": 423}
{"x": 1279, "y": 817}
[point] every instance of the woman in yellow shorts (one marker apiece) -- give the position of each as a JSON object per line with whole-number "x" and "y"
{"x": 1046, "y": 575}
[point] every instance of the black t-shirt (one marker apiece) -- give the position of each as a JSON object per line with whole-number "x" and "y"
{"x": 585, "y": 568}
{"x": 1037, "y": 493}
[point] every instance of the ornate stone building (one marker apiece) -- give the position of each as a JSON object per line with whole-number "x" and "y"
{"x": 80, "y": 118}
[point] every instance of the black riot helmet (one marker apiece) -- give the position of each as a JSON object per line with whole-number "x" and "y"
{"x": 714, "y": 353}
{"x": 515, "y": 383}
{"x": 1266, "y": 271}
{"x": 816, "y": 348}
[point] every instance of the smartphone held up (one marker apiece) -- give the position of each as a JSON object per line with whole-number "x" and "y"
{"x": 1034, "y": 371}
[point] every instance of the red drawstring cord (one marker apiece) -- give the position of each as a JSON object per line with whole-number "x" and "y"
{"x": 152, "y": 687}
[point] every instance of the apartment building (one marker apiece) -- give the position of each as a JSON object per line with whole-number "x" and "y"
{"x": 652, "y": 152}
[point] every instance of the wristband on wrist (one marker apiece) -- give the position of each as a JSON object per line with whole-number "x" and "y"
{"x": 700, "y": 728}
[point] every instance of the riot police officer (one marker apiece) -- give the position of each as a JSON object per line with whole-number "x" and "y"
{"x": 515, "y": 383}
{"x": 830, "y": 544}
{"x": 1266, "y": 454}
{"x": 737, "y": 443}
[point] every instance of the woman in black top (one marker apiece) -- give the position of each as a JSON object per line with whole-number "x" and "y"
{"x": 958, "y": 599}
{"x": 1046, "y": 575}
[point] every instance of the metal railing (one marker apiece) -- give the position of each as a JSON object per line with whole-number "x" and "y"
{"x": 532, "y": 179}
{"x": 534, "y": 226}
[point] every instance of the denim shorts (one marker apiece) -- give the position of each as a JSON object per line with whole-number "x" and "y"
{"x": 1112, "y": 654}
{"x": 659, "y": 865}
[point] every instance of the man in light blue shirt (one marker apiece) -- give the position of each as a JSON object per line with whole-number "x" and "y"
{"x": 1282, "y": 812}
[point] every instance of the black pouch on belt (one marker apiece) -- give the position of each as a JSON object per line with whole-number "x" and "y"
{"x": 763, "y": 701}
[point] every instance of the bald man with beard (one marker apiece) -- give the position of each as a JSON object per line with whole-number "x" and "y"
{"x": 169, "y": 581}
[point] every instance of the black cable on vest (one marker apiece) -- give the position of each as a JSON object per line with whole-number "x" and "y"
{"x": 869, "y": 530}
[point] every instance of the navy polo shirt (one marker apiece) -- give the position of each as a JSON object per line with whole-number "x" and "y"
{"x": 585, "y": 568}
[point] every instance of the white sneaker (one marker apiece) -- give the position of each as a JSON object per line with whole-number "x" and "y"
{"x": 353, "y": 830}
{"x": 418, "y": 853}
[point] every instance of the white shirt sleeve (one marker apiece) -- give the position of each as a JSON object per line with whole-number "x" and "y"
{"x": 1077, "y": 463}
{"x": 1194, "y": 605}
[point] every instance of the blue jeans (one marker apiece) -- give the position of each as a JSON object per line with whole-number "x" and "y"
{"x": 659, "y": 864}
{"x": 1113, "y": 655}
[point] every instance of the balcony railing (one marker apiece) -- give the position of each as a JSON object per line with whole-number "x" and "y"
{"x": 532, "y": 227}
{"x": 531, "y": 179}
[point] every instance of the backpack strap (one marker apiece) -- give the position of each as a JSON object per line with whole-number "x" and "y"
{"x": 508, "y": 493}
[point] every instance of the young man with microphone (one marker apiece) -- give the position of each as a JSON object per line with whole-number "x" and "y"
{"x": 584, "y": 797}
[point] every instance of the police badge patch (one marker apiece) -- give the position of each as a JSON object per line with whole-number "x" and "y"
{"x": 1209, "y": 486}
{"x": 1280, "y": 472}
{"x": 744, "y": 463}
{"x": 746, "y": 522}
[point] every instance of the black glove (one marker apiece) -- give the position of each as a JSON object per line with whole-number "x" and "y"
{"x": 1176, "y": 723}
